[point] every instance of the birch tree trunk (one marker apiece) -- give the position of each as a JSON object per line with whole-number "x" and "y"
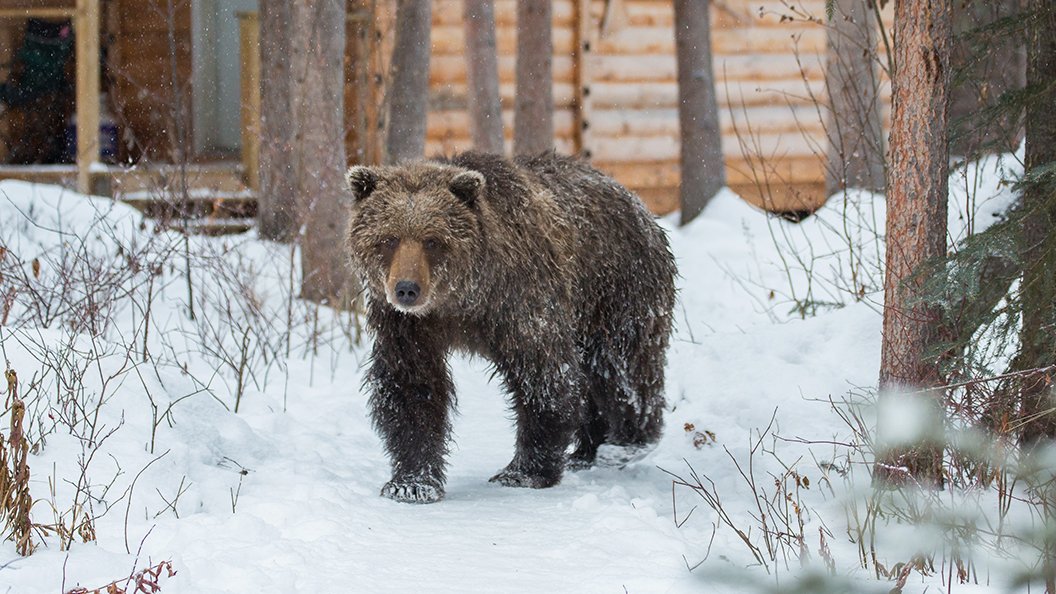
{"x": 409, "y": 90}
{"x": 853, "y": 123}
{"x": 485, "y": 105}
{"x": 533, "y": 117}
{"x": 319, "y": 146}
{"x": 703, "y": 167}
{"x": 916, "y": 235}
{"x": 277, "y": 198}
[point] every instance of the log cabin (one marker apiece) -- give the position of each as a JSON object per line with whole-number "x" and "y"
{"x": 180, "y": 81}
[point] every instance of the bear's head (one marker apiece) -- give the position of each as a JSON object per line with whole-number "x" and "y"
{"x": 414, "y": 232}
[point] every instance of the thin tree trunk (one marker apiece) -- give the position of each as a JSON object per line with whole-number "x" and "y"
{"x": 277, "y": 199}
{"x": 853, "y": 123}
{"x": 916, "y": 233}
{"x": 988, "y": 60}
{"x": 410, "y": 82}
{"x": 703, "y": 168}
{"x": 533, "y": 117}
{"x": 1038, "y": 293}
{"x": 319, "y": 147}
{"x": 485, "y": 105}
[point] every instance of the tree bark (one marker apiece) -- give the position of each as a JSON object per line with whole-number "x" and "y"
{"x": 986, "y": 64}
{"x": 916, "y": 232}
{"x": 319, "y": 146}
{"x": 853, "y": 122}
{"x": 410, "y": 82}
{"x": 277, "y": 198}
{"x": 485, "y": 105}
{"x": 533, "y": 117}
{"x": 1038, "y": 293}
{"x": 703, "y": 167}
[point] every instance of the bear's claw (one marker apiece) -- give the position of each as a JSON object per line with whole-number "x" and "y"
{"x": 516, "y": 478}
{"x": 412, "y": 492}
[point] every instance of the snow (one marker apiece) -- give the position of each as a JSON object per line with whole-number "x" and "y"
{"x": 305, "y": 515}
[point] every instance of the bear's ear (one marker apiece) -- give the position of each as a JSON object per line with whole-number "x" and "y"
{"x": 361, "y": 181}
{"x": 467, "y": 186}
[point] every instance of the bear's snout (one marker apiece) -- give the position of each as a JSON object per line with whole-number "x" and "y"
{"x": 409, "y": 276}
{"x": 407, "y": 292}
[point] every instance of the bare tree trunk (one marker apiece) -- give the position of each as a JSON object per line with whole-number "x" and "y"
{"x": 277, "y": 198}
{"x": 703, "y": 167}
{"x": 916, "y": 232}
{"x": 533, "y": 117}
{"x": 853, "y": 123}
{"x": 988, "y": 60}
{"x": 410, "y": 82}
{"x": 319, "y": 146}
{"x": 485, "y": 105}
{"x": 1038, "y": 293}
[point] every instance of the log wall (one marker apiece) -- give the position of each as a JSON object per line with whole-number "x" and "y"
{"x": 616, "y": 100}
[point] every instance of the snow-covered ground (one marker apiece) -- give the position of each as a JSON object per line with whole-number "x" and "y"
{"x": 283, "y": 496}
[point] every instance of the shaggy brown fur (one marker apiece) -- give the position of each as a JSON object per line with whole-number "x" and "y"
{"x": 550, "y": 269}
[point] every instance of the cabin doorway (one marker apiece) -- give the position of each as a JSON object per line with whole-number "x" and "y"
{"x": 216, "y": 76}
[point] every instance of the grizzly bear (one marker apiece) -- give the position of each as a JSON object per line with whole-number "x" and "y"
{"x": 548, "y": 268}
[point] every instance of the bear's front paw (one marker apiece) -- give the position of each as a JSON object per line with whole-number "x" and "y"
{"x": 409, "y": 491}
{"x": 516, "y": 478}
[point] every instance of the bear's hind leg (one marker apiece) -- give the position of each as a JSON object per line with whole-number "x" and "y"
{"x": 627, "y": 384}
{"x": 589, "y": 436}
{"x": 546, "y": 388}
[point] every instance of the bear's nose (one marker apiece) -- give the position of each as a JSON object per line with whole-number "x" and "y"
{"x": 407, "y": 292}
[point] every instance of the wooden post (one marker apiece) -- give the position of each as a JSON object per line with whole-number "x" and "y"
{"x": 249, "y": 33}
{"x": 86, "y": 24}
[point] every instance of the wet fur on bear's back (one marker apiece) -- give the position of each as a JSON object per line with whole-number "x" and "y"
{"x": 544, "y": 265}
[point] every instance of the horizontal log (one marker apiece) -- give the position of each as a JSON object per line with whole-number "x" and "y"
{"x": 761, "y": 147}
{"x": 456, "y": 124}
{"x": 651, "y": 122}
{"x": 661, "y": 40}
{"x": 646, "y": 174}
{"x": 448, "y": 69}
{"x": 37, "y": 13}
{"x": 453, "y": 96}
{"x": 790, "y": 197}
{"x": 451, "y": 40}
{"x": 661, "y": 68}
{"x": 660, "y": 192}
{"x": 449, "y": 12}
{"x": 665, "y": 94}
{"x": 456, "y": 145}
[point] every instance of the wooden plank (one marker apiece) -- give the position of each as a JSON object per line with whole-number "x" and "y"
{"x": 86, "y": 24}
{"x": 664, "y": 121}
{"x": 619, "y": 95}
{"x": 449, "y": 12}
{"x": 450, "y": 146}
{"x": 445, "y": 70}
{"x": 454, "y": 123}
{"x": 249, "y": 47}
{"x": 788, "y": 197}
{"x": 663, "y": 68}
{"x": 38, "y": 13}
{"x": 763, "y": 146}
{"x": 450, "y": 40}
{"x": 453, "y": 96}
{"x": 656, "y": 40}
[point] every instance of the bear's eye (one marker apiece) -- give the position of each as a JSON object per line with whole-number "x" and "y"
{"x": 430, "y": 244}
{"x": 388, "y": 244}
